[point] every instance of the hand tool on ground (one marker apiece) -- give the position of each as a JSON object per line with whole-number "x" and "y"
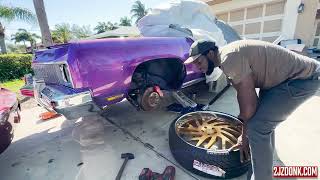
{"x": 126, "y": 157}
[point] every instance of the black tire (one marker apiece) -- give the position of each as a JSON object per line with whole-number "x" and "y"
{"x": 186, "y": 154}
{"x": 6, "y": 136}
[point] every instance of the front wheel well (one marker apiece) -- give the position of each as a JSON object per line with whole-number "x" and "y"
{"x": 167, "y": 73}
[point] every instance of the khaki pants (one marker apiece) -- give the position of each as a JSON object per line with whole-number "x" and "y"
{"x": 275, "y": 105}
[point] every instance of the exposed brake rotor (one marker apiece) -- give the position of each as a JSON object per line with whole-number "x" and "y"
{"x": 150, "y": 99}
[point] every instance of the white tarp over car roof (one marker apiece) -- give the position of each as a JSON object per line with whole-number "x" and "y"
{"x": 121, "y": 31}
{"x": 182, "y": 18}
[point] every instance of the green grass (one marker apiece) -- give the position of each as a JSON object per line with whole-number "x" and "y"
{"x": 13, "y": 85}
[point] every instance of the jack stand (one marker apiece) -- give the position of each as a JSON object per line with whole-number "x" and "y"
{"x": 184, "y": 100}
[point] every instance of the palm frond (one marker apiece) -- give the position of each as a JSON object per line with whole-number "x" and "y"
{"x": 6, "y": 13}
{"x": 16, "y": 13}
{"x": 138, "y": 10}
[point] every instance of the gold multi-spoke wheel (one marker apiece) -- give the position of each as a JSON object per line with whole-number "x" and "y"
{"x": 209, "y": 130}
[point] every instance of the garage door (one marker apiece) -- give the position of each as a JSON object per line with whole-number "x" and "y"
{"x": 263, "y": 22}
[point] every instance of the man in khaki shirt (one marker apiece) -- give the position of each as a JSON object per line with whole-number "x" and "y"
{"x": 285, "y": 79}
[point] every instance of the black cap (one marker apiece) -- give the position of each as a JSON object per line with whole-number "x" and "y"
{"x": 198, "y": 48}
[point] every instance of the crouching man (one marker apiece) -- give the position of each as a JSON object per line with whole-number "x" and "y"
{"x": 286, "y": 79}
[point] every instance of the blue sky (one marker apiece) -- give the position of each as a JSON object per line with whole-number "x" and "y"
{"x": 80, "y": 12}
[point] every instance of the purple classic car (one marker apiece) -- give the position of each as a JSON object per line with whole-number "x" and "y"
{"x": 92, "y": 74}
{"x": 89, "y": 75}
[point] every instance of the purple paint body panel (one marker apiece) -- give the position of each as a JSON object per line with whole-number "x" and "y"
{"x": 105, "y": 66}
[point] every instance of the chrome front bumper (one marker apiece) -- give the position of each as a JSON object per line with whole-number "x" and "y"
{"x": 72, "y": 106}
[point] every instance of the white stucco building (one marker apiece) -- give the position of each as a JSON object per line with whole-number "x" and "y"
{"x": 269, "y": 19}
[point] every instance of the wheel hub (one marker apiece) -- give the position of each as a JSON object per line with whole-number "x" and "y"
{"x": 153, "y": 99}
{"x": 150, "y": 99}
{"x": 208, "y": 131}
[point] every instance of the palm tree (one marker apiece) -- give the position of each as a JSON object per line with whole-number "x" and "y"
{"x": 125, "y": 21}
{"x": 55, "y": 37}
{"x": 101, "y": 27}
{"x": 13, "y": 13}
{"x": 138, "y": 10}
{"x": 62, "y": 33}
{"x": 21, "y": 36}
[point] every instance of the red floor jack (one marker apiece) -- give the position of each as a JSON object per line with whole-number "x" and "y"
{"x": 168, "y": 174}
{"x": 48, "y": 115}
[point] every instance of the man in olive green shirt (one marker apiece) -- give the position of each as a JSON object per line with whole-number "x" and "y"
{"x": 285, "y": 79}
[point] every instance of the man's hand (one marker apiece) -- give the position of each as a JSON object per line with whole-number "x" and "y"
{"x": 243, "y": 146}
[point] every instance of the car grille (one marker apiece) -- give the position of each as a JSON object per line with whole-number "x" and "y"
{"x": 51, "y": 73}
